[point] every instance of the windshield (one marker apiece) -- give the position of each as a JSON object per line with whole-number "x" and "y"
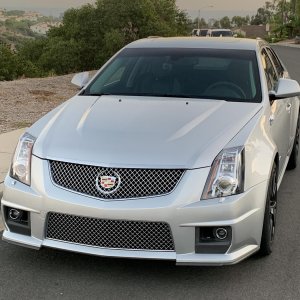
{"x": 221, "y": 33}
{"x": 203, "y": 32}
{"x": 195, "y": 32}
{"x": 230, "y": 75}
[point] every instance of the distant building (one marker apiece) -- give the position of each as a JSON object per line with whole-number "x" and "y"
{"x": 43, "y": 28}
{"x": 254, "y": 31}
{"x": 2, "y": 15}
{"x": 29, "y": 16}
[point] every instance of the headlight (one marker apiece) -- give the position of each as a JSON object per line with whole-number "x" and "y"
{"x": 21, "y": 164}
{"x": 226, "y": 176}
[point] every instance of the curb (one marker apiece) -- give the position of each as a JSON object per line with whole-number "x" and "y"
{"x": 287, "y": 45}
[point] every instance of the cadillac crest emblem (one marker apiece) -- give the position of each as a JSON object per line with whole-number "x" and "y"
{"x": 108, "y": 182}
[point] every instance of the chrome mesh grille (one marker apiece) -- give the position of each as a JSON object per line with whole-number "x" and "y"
{"x": 134, "y": 183}
{"x": 116, "y": 234}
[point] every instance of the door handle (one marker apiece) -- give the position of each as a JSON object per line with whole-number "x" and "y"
{"x": 271, "y": 119}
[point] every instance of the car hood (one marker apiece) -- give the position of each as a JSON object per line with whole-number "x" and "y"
{"x": 137, "y": 132}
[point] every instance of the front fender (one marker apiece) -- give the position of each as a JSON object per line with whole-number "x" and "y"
{"x": 260, "y": 149}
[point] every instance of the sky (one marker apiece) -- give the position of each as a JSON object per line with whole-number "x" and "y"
{"x": 220, "y": 7}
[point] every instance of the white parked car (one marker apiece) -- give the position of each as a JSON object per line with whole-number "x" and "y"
{"x": 174, "y": 150}
{"x": 196, "y": 32}
{"x": 199, "y": 32}
{"x": 219, "y": 33}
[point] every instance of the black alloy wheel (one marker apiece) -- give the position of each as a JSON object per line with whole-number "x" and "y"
{"x": 269, "y": 224}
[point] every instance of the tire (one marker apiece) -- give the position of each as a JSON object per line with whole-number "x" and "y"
{"x": 292, "y": 164}
{"x": 268, "y": 232}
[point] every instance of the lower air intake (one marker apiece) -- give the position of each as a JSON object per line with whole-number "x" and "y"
{"x": 115, "y": 234}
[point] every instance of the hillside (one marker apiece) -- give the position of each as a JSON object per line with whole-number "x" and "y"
{"x": 14, "y": 33}
{"x": 17, "y": 26}
{"x": 25, "y": 101}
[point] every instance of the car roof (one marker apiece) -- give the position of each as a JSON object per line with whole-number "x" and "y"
{"x": 221, "y": 29}
{"x": 195, "y": 42}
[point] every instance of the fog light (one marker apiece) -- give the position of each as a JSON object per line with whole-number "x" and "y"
{"x": 213, "y": 240}
{"x": 14, "y": 214}
{"x": 17, "y": 220}
{"x": 221, "y": 233}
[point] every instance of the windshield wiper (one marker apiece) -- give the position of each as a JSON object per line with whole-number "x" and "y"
{"x": 96, "y": 94}
{"x": 154, "y": 95}
{"x": 173, "y": 95}
{"x": 139, "y": 94}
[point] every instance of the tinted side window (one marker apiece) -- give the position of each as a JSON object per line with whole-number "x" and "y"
{"x": 270, "y": 71}
{"x": 277, "y": 63}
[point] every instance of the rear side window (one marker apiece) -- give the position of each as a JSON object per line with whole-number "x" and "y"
{"x": 277, "y": 63}
{"x": 270, "y": 72}
{"x": 221, "y": 33}
{"x": 203, "y": 32}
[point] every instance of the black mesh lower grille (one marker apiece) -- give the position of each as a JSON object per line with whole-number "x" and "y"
{"x": 116, "y": 234}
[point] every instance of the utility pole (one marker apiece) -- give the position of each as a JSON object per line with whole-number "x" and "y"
{"x": 293, "y": 6}
{"x": 297, "y": 9}
{"x": 283, "y": 5}
{"x": 199, "y": 13}
{"x": 284, "y": 12}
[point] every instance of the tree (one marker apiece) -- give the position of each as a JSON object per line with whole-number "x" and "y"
{"x": 61, "y": 56}
{"x": 262, "y": 16}
{"x": 32, "y": 50}
{"x": 201, "y": 22}
{"x": 98, "y": 35}
{"x": 84, "y": 26}
{"x": 297, "y": 17}
{"x": 213, "y": 23}
{"x": 146, "y": 17}
{"x": 89, "y": 35}
{"x": 8, "y": 66}
{"x": 225, "y": 22}
{"x": 238, "y": 21}
{"x": 284, "y": 21}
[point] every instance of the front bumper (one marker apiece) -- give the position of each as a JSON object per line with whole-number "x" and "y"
{"x": 181, "y": 209}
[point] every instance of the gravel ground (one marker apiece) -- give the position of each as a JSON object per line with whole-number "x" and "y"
{"x": 24, "y": 101}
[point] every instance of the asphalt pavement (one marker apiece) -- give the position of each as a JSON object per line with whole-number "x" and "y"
{"x": 52, "y": 274}
{"x": 291, "y": 58}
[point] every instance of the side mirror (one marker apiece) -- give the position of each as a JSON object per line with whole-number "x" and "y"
{"x": 286, "y": 88}
{"x": 81, "y": 79}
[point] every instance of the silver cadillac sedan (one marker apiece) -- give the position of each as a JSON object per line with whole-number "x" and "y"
{"x": 174, "y": 150}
